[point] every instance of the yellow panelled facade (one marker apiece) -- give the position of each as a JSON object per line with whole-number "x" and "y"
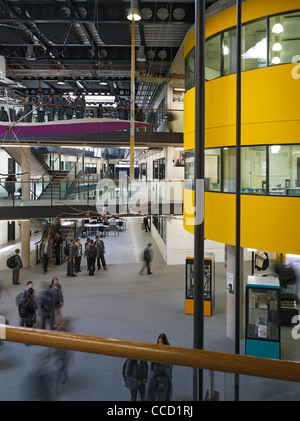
{"x": 270, "y": 115}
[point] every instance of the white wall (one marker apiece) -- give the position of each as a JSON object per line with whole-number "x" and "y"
{"x": 3, "y": 232}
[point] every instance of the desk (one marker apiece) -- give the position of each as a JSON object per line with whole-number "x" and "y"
{"x": 103, "y": 228}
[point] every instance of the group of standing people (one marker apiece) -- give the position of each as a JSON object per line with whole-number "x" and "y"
{"x": 64, "y": 107}
{"x": 152, "y": 383}
{"x": 93, "y": 252}
{"x": 45, "y": 307}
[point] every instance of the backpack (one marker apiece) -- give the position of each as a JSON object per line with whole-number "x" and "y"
{"x": 48, "y": 302}
{"x": 67, "y": 249}
{"x": 24, "y": 309}
{"x": 11, "y": 262}
{"x": 92, "y": 251}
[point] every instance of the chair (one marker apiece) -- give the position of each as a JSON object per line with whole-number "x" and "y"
{"x": 120, "y": 226}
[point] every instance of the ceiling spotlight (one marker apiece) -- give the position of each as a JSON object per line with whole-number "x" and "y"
{"x": 277, "y": 28}
{"x": 133, "y": 12}
{"x": 30, "y": 54}
{"x": 103, "y": 81}
{"x": 277, "y": 46}
{"x": 141, "y": 54}
{"x": 61, "y": 81}
{"x": 276, "y": 60}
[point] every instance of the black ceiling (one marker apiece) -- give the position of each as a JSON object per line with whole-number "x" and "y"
{"x": 86, "y": 40}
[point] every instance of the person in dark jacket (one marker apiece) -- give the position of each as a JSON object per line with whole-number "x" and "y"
{"x": 10, "y": 186}
{"x": 91, "y": 254}
{"x": 71, "y": 257}
{"x": 79, "y": 105}
{"x": 45, "y": 252}
{"x": 57, "y": 241}
{"x": 100, "y": 253}
{"x": 46, "y": 302}
{"x": 61, "y": 102}
{"x": 3, "y": 115}
{"x": 160, "y": 377}
{"x": 28, "y": 297}
{"x": 27, "y": 110}
{"x": 135, "y": 375}
{"x": 16, "y": 269}
{"x": 50, "y": 107}
{"x": 78, "y": 255}
{"x": 56, "y": 289}
{"x": 147, "y": 258}
{"x": 69, "y": 108}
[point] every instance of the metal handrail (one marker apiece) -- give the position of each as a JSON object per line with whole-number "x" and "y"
{"x": 195, "y": 358}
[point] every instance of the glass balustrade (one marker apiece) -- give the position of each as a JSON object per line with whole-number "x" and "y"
{"x": 94, "y": 191}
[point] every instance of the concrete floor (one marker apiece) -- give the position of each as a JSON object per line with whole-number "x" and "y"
{"x": 120, "y": 303}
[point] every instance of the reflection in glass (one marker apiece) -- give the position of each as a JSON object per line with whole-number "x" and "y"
{"x": 229, "y": 169}
{"x": 254, "y": 45}
{"x": 229, "y": 52}
{"x": 253, "y": 164}
{"x": 213, "y": 58}
{"x": 190, "y": 70}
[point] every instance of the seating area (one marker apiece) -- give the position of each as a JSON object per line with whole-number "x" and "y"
{"x": 101, "y": 227}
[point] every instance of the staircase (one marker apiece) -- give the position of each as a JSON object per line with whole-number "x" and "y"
{"x": 53, "y": 188}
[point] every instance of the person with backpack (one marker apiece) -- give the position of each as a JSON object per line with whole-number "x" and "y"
{"x": 91, "y": 254}
{"x": 27, "y": 306}
{"x": 100, "y": 253}
{"x": 16, "y": 265}
{"x": 46, "y": 303}
{"x": 135, "y": 375}
{"x": 70, "y": 257}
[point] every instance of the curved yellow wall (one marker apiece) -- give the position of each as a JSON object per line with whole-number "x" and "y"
{"x": 270, "y": 115}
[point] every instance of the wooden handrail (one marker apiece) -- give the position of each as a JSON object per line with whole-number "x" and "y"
{"x": 202, "y": 359}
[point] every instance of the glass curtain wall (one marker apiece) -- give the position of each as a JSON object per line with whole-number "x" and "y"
{"x": 284, "y": 172}
{"x": 229, "y": 170}
{"x": 253, "y": 169}
{"x": 213, "y": 169}
{"x": 284, "y": 42}
{"x": 220, "y": 52}
{"x": 254, "y": 45}
{"x": 213, "y": 58}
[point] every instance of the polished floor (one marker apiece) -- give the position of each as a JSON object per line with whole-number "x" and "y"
{"x": 119, "y": 303}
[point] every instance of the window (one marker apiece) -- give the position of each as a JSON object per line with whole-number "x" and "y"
{"x": 212, "y": 169}
{"x": 213, "y": 58}
{"x": 284, "y": 170}
{"x": 253, "y": 169}
{"x": 229, "y": 52}
{"x": 189, "y": 171}
{"x": 254, "y": 45}
{"x": 190, "y": 71}
{"x": 229, "y": 170}
{"x": 284, "y": 38}
{"x": 155, "y": 169}
{"x": 160, "y": 225}
{"x": 162, "y": 168}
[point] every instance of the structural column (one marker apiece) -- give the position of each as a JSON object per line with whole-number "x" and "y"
{"x": 231, "y": 286}
{"x": 25, "y": 195}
